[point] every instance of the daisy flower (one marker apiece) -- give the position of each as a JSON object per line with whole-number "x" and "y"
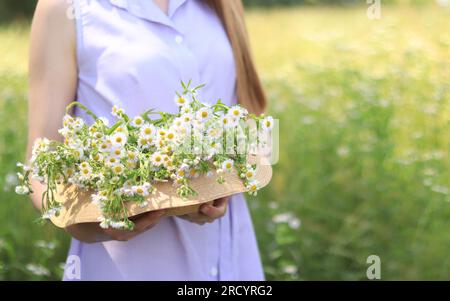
{"x": 250, "y": 174}
{"x": 22, "y": 189}
{"x": 253, "y": 187}
{"x": 143, "y": 142}
{"x": 227, "y": 121}
{"x": 227, "y": 165}
{"x": 84, "y": 165}
{"x": 236, "y": 112}
{"x": 157, "y": 159}
{"x": 67, "y": 120}
{"x": 132, "y": 156}
{"x": 78, "y": 153}
{"x": 118, "y": 152}
{"x": 85, "y": 172}
{"x": 186, "y": 110}
{"x": 141, "y": 190}
{"x": 171, "y": 136}
{"x": 215, "y": 132}
{"x": 118, "y": 168}
{"x": 105, "y": 145}
{"x": 97, "y": 157}
{"x": 267, "y": 123}
{"x": 117, "y": 111}
{"x": 137, "y": 122}
{"x": 112, "y": 160}
{"x": 147, "y": 130}
{"x": 119, "y": 139}
{"x": 103, "y": 120}
{"x": 203, "y": 114}
{"x": 181, "y": 101}
{"x": 187, "y": 118}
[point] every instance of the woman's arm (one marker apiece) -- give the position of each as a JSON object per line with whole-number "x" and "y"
{"x": 52, "y": 74}
{"x": 52, "y": 86}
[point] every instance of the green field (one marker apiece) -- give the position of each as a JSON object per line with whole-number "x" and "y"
{"x": 364, "y": 108}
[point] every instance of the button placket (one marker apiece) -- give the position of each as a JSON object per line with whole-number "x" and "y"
{"x": 214, "y": 272}
{"x": 179, "y": 39}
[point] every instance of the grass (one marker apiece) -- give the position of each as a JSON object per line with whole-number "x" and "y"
{"x": 364, "y": 157}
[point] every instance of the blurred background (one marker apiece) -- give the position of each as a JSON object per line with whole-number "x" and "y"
{"x": 364, "y": 104}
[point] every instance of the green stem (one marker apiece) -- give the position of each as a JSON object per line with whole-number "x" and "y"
{"x": 81, "y": 106}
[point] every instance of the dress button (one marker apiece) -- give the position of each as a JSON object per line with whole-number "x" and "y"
{"x": 179, "y": 39}
{"x": 214, "y": 271}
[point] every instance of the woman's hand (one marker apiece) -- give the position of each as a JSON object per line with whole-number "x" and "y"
{"x": 92, "y": 232}
{"x": 208, "y": 212}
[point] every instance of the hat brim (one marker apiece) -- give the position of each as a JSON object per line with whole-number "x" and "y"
{"x": 77, "y": 206}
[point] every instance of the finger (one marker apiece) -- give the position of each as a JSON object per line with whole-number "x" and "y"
{"x": 197, "y": 218}
{"x": 119, "y": 235}
{"x": 221, "y": 202}
{"x": 214, "y": 212}
{"x": 217, "y": 210}
{"x": 147, "y": 220}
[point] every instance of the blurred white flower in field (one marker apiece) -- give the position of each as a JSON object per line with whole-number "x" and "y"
{"x": 429, "y": 172}
{"x": 307, "y": 120}
{"x": 294, "y": 223}
{"x": 37, "y": 269}
{"x": 289, "y": 218}
{"x": 430, "y": 109}
{"x": 10, "y": 181}
{"x": 427, "y": 182}
{"x": 290, "y": 269}
{"x": 434, "y": 155}
{"x": 440, "y": 189}
{"x": 417, "y": 135}
{"x": 62, "y": 265}
{"x": 45, "y": 245}
{"x": 445, "y": 3}
{"x": 343, "y": 151}
{"x": 273, "y": 205}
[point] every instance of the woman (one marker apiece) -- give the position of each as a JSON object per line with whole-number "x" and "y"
{"x": 134, "y": 53}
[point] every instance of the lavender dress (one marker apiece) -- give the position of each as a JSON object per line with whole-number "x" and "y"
{"x": 132, "y": 54}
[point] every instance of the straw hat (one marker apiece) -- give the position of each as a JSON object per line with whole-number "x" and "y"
{"x": 77, "y": 206}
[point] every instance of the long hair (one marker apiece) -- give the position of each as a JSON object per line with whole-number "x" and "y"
{"x": 250, "y": 92}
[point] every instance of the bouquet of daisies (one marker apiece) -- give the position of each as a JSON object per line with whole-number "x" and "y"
{"x": 125, "y": 161}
